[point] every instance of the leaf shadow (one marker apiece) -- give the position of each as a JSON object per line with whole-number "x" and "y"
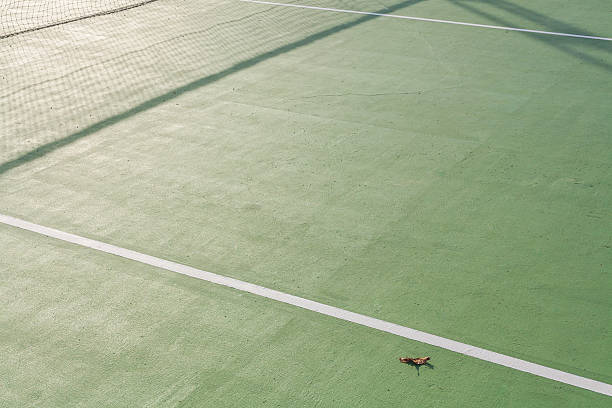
{"x": 418, "y": 366}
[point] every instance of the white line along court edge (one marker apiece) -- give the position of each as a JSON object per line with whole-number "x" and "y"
{"x": 403, "y": 331}
{"x": 430, "y": 20}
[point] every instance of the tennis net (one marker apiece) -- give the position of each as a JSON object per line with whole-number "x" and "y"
{"x": 71, "y": 67}
{"x": 22, "y": 16}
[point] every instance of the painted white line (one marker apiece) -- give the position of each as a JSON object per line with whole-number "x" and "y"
{"x": 431, "y": 20}
{"x": 332, "y": 311}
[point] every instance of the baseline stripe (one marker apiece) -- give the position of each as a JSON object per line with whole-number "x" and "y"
{"x": 406, "y": 332}
{"x": 430, "y": 20}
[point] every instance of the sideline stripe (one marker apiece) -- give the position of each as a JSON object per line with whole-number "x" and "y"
{"x": 431, "y": 20}
{"x": 332, "y": 311}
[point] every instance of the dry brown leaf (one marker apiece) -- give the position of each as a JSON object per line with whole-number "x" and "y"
{"x": 417, "y": 361}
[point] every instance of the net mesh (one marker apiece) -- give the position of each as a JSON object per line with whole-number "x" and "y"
{"x": 65, "y": 74}
{"x": 21, "y": 16}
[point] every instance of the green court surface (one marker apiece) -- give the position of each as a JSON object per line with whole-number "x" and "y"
{"x": 452, "y": 179}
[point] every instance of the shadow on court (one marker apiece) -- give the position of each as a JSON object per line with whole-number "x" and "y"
{"x": 560, "y": 43}
{"x": 573, "y": 48}
{"x": 418, "y": 367}
{"x": 193, "y": 85}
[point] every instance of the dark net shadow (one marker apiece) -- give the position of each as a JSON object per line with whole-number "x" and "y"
{"x": 574, "y": 47}
{"x": 84, "y": 75}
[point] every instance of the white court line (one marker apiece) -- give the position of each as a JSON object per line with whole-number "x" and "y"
{"x": 332, "y": 311}
{"x": 431, "y": 20}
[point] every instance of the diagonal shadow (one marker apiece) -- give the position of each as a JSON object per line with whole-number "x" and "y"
{"x": 548, "y": 22}
{"x": 191, "y": 86}
{"x": 551, "y": 23}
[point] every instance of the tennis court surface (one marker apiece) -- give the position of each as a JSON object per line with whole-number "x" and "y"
{"x": 225, "y": 203}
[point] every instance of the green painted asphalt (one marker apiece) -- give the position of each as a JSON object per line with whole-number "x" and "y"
{"x": 98, "y": 331}
{"x": 450, "y": 179}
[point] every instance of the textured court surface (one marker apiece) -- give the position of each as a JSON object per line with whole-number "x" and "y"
{"x": 451, "y": 179}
